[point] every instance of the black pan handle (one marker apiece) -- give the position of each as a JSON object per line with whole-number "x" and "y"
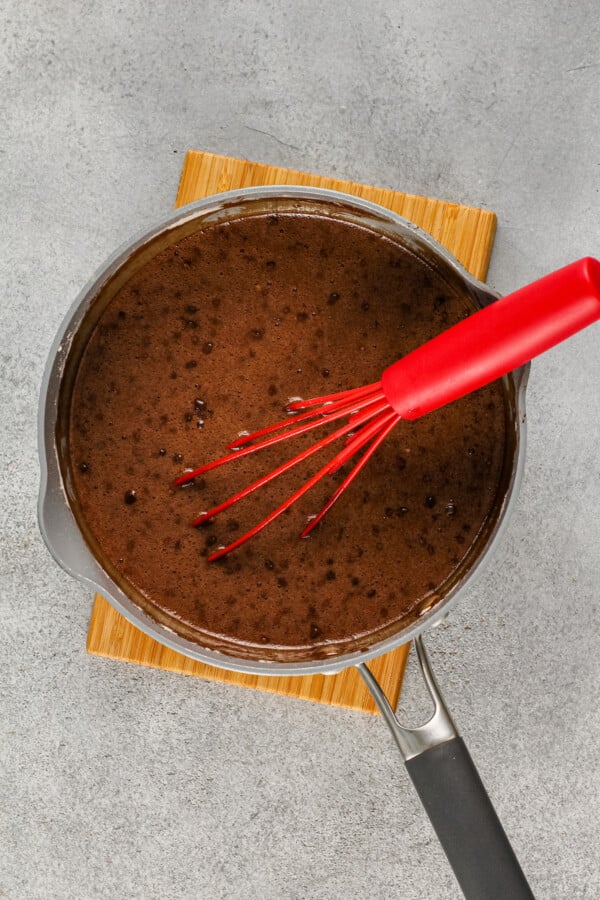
{"x": 466, "y": 823}
{"x": 454, "y": 797}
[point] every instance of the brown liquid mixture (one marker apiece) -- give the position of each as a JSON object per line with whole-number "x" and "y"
{"x": 213, "y": 337}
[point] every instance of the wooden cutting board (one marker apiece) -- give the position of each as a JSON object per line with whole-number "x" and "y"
{"x": 469, "y": 234}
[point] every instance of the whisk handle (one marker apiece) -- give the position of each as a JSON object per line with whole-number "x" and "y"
{"x": 495, "y": 340}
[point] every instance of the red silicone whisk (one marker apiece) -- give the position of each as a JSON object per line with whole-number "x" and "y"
{"x": 476, "y": 351}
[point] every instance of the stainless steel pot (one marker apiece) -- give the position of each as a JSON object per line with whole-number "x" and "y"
{"x": 435, "y": 757}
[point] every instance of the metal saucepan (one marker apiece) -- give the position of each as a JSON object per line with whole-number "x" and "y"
{"x": 435, "y": 756}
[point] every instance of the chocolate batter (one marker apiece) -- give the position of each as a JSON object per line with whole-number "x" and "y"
{"x": 212, "y": 337}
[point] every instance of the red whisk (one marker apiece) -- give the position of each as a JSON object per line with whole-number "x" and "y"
{"x": 476, "y": 351}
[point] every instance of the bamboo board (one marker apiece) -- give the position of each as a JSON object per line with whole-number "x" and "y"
{"x": 469, "y": 234}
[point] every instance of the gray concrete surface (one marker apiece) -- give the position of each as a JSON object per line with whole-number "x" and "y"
{"x": 121, "y": 782}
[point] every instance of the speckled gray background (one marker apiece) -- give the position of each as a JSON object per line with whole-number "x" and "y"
{"x": 123, "y": 782}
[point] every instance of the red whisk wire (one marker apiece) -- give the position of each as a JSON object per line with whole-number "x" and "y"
{"x": 347, "y": 396}
{"x": 305, "y": 454}
{"x": 345, "y": 406}
{"x": 359, "y": 440}
{"x": 384, "y": 427}
{"x": 387, "y": 422}
{"x": 344, "y": 409}
{"x": 222, "y": 551}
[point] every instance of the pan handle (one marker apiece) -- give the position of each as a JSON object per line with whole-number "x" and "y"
{"x": 454, "y": 796}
